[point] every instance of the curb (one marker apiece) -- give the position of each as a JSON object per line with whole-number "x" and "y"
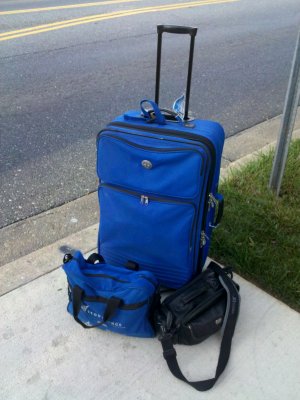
{"x": 239, "y": 163}
{"x": 45, "y": 260}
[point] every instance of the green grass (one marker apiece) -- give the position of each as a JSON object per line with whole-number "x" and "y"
{"x": 260, "y": 234}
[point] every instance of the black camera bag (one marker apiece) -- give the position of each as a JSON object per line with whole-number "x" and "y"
{"x": 191, "y": 314}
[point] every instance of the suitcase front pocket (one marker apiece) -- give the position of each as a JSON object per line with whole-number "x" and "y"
{"x": 143, "y": 167}
{"x": 147, "y": 227}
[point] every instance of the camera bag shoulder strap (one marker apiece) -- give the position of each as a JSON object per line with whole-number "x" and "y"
{"x": 231, "y": 315}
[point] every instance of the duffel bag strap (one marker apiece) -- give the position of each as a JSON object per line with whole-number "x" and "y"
{"x": 230, "y": 318}
{"x": 112, "y": 306}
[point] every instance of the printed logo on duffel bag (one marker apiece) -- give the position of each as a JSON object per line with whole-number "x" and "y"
{"x": 86, "y": 309}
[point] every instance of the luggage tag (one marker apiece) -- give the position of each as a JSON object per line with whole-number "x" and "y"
{"x": 179, "y": 106}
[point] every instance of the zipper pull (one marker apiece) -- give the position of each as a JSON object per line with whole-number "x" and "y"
{"x": 144, "y": 200}
{"x": 212, "y": 201}
{"x": 203, "y": 239}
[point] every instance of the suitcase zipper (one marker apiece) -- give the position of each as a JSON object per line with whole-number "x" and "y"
{"x": 203, "y": 239}
{"x": 144, "y": 200}
{"x": 169, "y": 132}
{"x": 212, "y": 201}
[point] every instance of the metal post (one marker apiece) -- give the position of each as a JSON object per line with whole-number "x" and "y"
{"x": 287, "y": 122}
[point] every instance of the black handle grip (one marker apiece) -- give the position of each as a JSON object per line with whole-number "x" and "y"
{"x": 179, "y": 30}
{"x": 185, "y": 30}
{"x": 220, "y": 212}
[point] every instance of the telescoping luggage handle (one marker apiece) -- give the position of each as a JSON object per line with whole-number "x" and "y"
{"x": 178, "y": 30}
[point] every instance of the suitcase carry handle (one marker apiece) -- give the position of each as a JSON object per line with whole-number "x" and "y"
{"x": 220, "y": 210}
{"x": 153, "y": 115}
{"x": 220, "y": 204}
{"x": 177, "y": 30}
{"x": 156, "y": 114}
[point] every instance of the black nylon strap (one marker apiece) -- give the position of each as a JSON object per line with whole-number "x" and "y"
{"x": 231, "y": 314}
{"x": 111, "y": 307}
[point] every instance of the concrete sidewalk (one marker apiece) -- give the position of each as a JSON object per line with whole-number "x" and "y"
{"x": 46, "y": 355}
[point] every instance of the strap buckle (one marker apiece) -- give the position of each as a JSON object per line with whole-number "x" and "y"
{"x": 165, "y": 326}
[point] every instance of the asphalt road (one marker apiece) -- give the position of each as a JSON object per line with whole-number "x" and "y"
{"x": 60, "y": 86}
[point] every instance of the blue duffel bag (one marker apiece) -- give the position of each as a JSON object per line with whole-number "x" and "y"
{"x": 112, "y": 298}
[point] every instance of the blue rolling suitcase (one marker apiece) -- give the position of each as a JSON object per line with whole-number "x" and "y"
{"x": 158, "y": 186}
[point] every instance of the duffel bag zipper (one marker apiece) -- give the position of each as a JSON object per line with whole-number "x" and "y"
{"x": 117, "y": 279}
{"x": 144, "y": 200}
{"x": 106, "y": 276}
{"x": 100, "y": 299}
{"x": 189, "y": 136}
